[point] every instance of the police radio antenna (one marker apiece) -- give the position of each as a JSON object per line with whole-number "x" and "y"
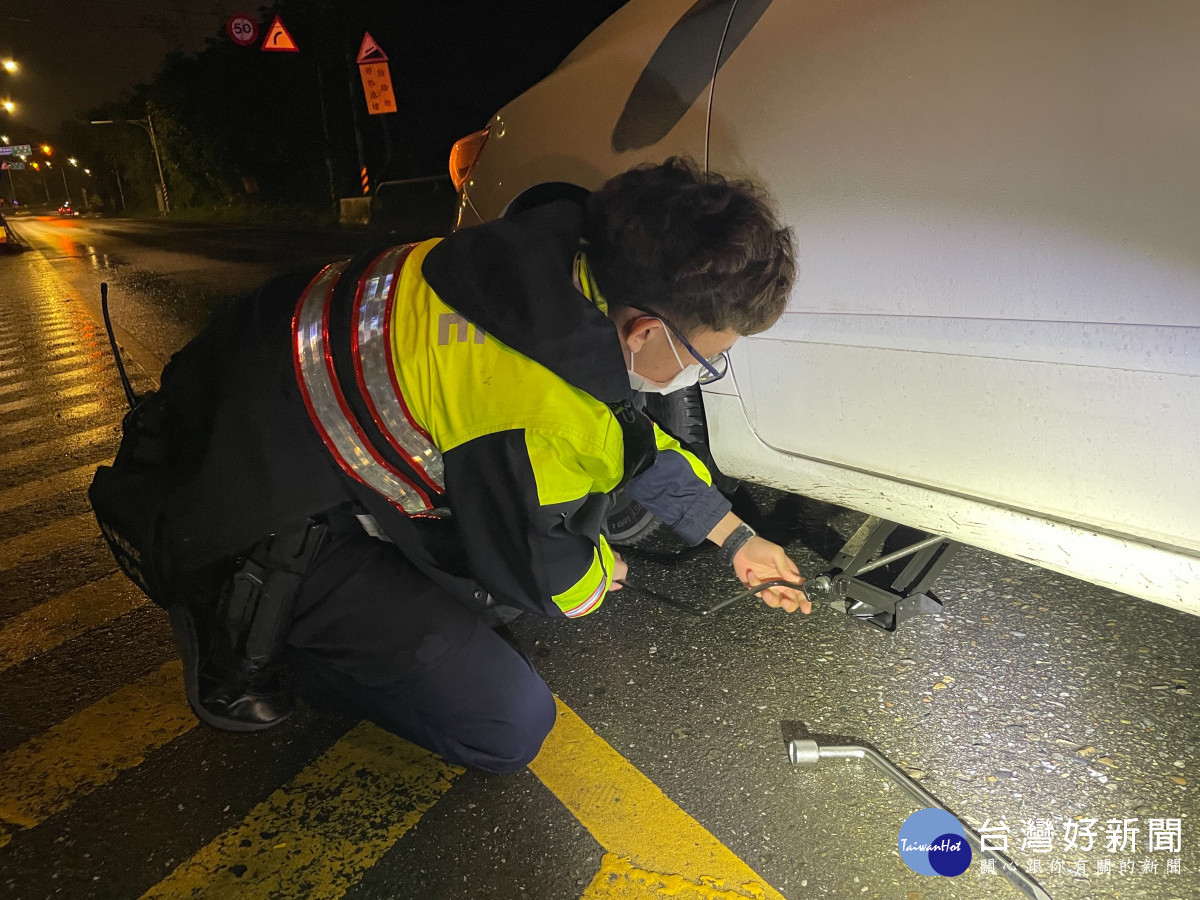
{"x": 112, "y": 339}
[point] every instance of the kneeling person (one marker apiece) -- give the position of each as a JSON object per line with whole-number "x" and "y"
{"x": 360, "y": 472}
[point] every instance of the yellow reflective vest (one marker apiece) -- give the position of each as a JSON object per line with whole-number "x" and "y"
{"x": 471, "y": 380}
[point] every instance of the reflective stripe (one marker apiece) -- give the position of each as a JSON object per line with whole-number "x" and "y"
{"x": 589, "y": 604}
{"x": 376, "y": 372}
{"x": 579, "y": 600}
{"x": 327, "y": 405}
{"x": 665, "y": 442}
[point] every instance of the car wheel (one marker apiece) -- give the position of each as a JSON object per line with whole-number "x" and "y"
{"x": 628, "y": 523}
{"x": 681, "y": 415}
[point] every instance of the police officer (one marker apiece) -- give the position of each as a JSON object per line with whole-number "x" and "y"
{"x": 361, "y": 473}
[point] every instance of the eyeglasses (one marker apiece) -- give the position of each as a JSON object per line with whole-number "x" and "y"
{"x": 715, "y": 367}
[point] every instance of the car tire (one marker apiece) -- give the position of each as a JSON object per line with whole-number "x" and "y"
{"x": 628, "y": 523}
{"x": 681, "y": 415}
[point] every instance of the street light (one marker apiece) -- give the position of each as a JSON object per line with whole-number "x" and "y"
{"x": 10, "y": 66}
{"x": 9, "y": 106}
{"x": 147, "y": 124}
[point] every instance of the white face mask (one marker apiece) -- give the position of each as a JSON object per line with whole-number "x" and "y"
{"x": 687, "y": 376}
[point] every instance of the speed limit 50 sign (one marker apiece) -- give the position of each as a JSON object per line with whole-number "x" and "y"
{"x": 242, "y": 29}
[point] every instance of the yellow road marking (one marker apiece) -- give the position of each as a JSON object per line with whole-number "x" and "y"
{"x": 317, "y": 835}
{"x": 27, "y": 424}
{"x": 48, "y": 487}
{"x": 42, "y": 541}
{"x": 81, "y": 390}
{"x": 76, "y": 344}
{"x": 17, "y": 404}
{"x": 47, "y": 773}
{"x": 631, "y": 818}
{"x": 71, "y": 336}
{"x": 21, "y": 338}
{"x": 49, "y": 322}
{"x": 43, "y": 397}
{"x": 69, "y": 414}
{"x": 24, "y": 347}
{"x": 78, "y": 373}
{"x": 105, "y": 434}
{"x": 66, "y": 616}
{"x": 619, "y": 879}
{"x": 75, "y": 361}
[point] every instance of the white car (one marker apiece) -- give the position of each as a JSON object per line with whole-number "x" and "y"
{"x": 994, "y": 335}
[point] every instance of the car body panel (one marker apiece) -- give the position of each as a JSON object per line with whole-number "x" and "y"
{"x": 999, "y": 290}
{"x": 567, "y": 128}
{"x": 995, "y": 329}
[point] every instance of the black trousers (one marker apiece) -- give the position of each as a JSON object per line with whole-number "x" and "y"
{"x": 374, "y": 637}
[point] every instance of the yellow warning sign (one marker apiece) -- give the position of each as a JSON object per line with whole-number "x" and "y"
{"x": 278, "y": 39}
{"x": 377, "y": 88}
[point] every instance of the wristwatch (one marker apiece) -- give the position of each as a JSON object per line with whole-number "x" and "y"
{"x": 736, "y": 541}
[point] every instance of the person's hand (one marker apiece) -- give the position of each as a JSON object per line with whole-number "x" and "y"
{"x": 760, "y": 560}
{"x": 620, "y": 570}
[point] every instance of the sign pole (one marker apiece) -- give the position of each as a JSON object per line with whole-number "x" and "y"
{"x": 387, "y": 141}
{"x": 377, "y": 86}
{"x": 362, "y": 163}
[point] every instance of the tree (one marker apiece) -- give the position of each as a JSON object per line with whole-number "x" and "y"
{"x": 239, "y": 125}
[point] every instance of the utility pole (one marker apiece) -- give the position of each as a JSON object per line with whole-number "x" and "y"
{"x": 158, "y": 161}
{"x": 120, "y": 190}
{"x": 147, "y": 125}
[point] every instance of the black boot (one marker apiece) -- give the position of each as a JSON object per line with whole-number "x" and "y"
{"x": 224, "y": 688}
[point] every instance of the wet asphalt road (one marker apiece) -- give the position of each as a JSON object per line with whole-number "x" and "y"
{"x": 1032, "y": 698}
{"x": 166, "y": 279}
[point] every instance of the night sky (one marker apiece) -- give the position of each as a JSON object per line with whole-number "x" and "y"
{"x": 77, "y": 54}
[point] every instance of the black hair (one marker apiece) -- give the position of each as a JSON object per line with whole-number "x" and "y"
{"x": 704, "y": 250}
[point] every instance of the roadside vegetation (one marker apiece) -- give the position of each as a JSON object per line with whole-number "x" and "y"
{"x": 256, "y": 137}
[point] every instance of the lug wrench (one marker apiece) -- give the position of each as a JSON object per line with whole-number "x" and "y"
{"x": 807, "y": 752}
{"x": 720, "y": 604}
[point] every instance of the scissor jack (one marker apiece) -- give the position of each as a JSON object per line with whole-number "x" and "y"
{"x": 895, "y": 592}
{"x": 897, "y": 589}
